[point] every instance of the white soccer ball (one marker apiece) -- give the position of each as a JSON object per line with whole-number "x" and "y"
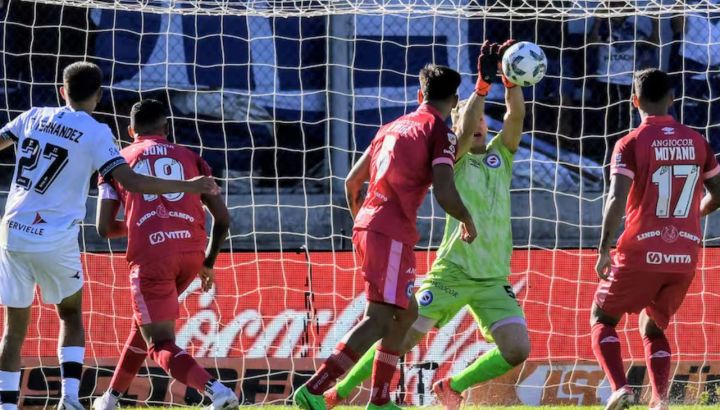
{"x": 524, "y": 63}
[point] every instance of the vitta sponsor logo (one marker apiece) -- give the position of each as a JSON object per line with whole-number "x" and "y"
{"x": 160, "y": 237}
{"x": 657, "y": 258}
{"x": 156, "y": 238}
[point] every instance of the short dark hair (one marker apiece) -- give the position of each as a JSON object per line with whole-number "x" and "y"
{"x": 82, "y": 80}
{"x": 651, "y": 85}
{"x": 147, "y": 115}
{"x": 438, "y": 82}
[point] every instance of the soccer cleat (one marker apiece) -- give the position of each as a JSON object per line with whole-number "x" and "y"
{"x": 333, "y": 399}
{"x": 223, "y": 398}
{"x": 661, "y": 405}
{"x": 387, "y": 406}
{"x": 106, "y": 402}
{"x": 308, "y": 401}
{"x": 446, "y": 396}
{"x": 70, "y": 403}
{"x": 620, "y": 399}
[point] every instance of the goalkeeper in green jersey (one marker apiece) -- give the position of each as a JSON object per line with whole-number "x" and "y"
{"x": 473, "y": 275}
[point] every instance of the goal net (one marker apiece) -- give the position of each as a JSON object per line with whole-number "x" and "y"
{"x": 280, "y": 97}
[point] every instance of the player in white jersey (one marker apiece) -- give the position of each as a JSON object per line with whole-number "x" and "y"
{"x": 58, "y": 150}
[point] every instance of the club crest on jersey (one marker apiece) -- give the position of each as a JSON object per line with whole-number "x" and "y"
{"x": 493, "y": 161}
{"x": 426, "y": 298}
{"x": 409, "y": 288}
{"x": 669, "y": 234}
{"x": 452, "y": 138}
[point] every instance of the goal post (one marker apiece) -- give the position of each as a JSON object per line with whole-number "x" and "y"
{"x": 281, "y": 97}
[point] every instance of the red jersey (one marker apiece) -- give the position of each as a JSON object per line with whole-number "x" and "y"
{"x": 160, "y": 225}
{"x": 667, "y": 163}
{"x": 402, "y": 155}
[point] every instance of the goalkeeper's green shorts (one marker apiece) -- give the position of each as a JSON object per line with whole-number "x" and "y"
{"x": 446, "y": 290}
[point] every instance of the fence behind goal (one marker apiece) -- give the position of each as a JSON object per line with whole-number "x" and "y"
{"x": 281, "y": 97}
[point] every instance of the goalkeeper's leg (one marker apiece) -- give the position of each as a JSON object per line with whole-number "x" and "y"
{"x": 512, "y": 349}
{"x": 500, "y": 319}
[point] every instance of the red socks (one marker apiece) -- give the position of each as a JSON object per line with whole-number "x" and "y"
{"x": 340, "y": 361}
{"x": 606, "y": 346}
{"x": 180, "y": 365}
{"x": 131, "y": 360}
{"x": 657, "y": 359}
{"x": 384, "y": 368}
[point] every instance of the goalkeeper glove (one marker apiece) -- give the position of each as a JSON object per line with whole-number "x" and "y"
{"x": 503, "y": 48}
{"x": 488, "y": 62}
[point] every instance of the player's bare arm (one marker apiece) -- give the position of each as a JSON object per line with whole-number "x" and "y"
{"x": 514, "y": 118}
{"x": 108, "y": 226}
{"x": 450, "y": 201}
{"x": 218, "y": 233}
{"x": 711, "y": 202}
{"x": 358, "y": 175}
{"x": 134, "y": 182}
{"x": 6, "y": 140}
{"x": 471, "y": 115}
{"x": 612, "y": 218}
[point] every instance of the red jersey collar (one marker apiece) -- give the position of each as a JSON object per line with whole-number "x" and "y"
{"x": 139, "y": 138}
{"x": 658, "y": 119}
{"x": 429, "y": 108}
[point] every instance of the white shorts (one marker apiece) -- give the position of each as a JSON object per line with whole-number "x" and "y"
{"x": 58, "y": 273}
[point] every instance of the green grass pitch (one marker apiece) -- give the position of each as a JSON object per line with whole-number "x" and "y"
{"x": 691, "y": 407}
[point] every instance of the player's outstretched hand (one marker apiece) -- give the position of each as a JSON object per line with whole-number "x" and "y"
{"x": 504, "y": 46}
{"x": 488, "y": 61}
{"x": 207, "y": 278}
{"x": 603, "y": 265}
{"x": 204, "y": 185}
{"x": 468, "y": 232}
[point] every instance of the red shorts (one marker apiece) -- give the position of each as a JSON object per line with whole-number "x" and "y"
{"x": 156, "y": 285}
{"x": 388, "y": 267}
{"x": 660, "y": 294}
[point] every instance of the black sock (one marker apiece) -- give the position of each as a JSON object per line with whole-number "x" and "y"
{"x": 9, "y": 397}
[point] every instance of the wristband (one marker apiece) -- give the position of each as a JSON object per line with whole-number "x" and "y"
{"x": 507, "y": 83}
{"x": 481, "y": 87}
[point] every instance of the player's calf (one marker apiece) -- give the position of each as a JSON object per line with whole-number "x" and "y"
{"x": 657, "y": 357}
{"x": 513, "y": 342}
{"x": 16, "y": 324}
{"x": 71, "y": 350}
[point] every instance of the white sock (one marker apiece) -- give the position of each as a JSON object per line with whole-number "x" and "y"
{"x": 216, "y": 387}
{"x": 73, "y": 354}
{"x": 9, "y": 381}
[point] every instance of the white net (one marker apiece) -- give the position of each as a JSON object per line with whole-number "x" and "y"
{"x": 281, "y": 96}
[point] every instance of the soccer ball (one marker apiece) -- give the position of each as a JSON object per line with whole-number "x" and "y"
{"x": 524, "y": 64}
